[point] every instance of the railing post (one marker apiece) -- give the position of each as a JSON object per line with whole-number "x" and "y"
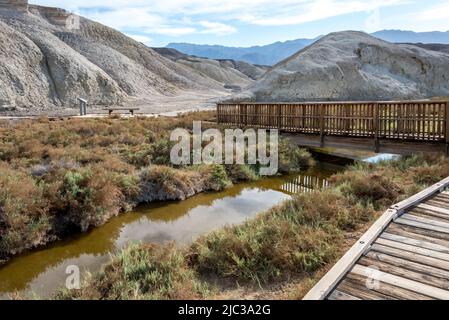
{"x": 447, "y": 127}
{"x": 279, "y": 117}
{"x": 376, "y": 127}
{"x": 322, "y": 125}
{"x": 218, "y": 113}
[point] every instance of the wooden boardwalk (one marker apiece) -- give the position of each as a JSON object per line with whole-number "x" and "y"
{"x": 404, "y": 255}
{"x": 381, "y": 126}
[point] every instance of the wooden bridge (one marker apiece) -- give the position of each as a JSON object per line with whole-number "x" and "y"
{"x": 404, "y": 255}
{"x": 401, "y": 127}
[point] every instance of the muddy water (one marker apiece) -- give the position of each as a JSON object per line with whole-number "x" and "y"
{"x": 42, "y": 271}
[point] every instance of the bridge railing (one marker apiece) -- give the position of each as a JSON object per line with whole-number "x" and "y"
{"x": 403, "y": 120}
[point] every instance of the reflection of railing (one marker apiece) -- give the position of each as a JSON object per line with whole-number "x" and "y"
{"x": 305, "y": 184}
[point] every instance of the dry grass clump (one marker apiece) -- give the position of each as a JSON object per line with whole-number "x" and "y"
{"x": 150, "y": 272}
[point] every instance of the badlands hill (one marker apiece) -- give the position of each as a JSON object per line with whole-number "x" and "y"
{"x": 215, "y": 67}
{"x": 49, "y": 58}
{"x": 433, "y": 46}
{"x": 354, "y": 66}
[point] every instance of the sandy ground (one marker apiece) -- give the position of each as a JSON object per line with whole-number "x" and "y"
{"x": 157, "y": 105}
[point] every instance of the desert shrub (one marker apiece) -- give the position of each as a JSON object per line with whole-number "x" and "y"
{"x": 241, "y": 172}
{"x": 369, "y": 188}
{"x": 24, "y": 219}
{"x": 428, "y": 175}
{"x": 160, "y": 151}
{"x": 292, "y": 158}
{"x": 143, "y": 272}
{"x": 214, "y": 177}
{"x": 89, "y": 197}
{"x": 161, "y": 183}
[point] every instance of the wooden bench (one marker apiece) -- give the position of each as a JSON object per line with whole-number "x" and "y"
{"x": 131, "y": 110}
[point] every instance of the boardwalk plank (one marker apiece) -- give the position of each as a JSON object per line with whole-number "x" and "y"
{"x": 338, "y": 295}
{"x": 360, "y": 291}
{"x": 430, "y": 214}
{"x": 404, "y": 283}
{"x": 412, "y": 256}
{"x": 387, "y": 289}
{"x": 432, "y": 222}
{"x": 405, "y": 273}
{"x": 407, "y": 264}
{"x": 418, "y": 234}
{"x": 420, "y": 231}
{"x": 438, "y": 203}
{"x": 412, "y": 223}
{"x": 433, "y": 208}
{"x": 442, "y": 197}
{"x": 414, "y": 249}
{"x": 415, "y": 242}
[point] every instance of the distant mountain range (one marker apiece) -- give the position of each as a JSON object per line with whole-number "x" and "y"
{"x": 261, "y": 55}
{"x": 278, "y": 51}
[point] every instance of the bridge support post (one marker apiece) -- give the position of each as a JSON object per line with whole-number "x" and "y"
{"x": 447, "y": 128}
{"x": 376, "y": 127}
{"x": 322, "y": 125}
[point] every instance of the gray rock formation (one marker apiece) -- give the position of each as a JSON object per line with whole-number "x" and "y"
{"x": 432, "y": 46}
{"x": 21, "y": 5}
{"x": 50, "y": 57}
{"x": 249, "y": 70}
{"x": 354, "y": 66}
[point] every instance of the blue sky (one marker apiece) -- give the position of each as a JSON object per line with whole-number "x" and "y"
{"x": 255, "y": 22}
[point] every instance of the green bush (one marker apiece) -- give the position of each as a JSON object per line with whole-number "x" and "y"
{"x": 292, "y": 158}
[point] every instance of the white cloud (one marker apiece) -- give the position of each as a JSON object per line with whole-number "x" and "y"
{"x": 438, "y": 12}
{"x": 173, "y": 31}
{"x": 259, "y": 12}
{"x": 309, "y": 11}
{"x": 217, "y": 28}
{"x": 127, "y": 18}
{"x": 219, "y": 17}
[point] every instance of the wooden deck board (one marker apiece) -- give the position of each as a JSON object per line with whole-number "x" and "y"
{"x": 405, "y": 272}
{"x": 406, "y": 257}
{"x": 407, "y": 264}
{"x": 391, "y": 291}
{"x": 415, "y": 242}
{"x": 338, "y": 295}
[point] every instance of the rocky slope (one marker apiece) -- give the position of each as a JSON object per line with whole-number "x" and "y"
{"x": 432, "y": 46}
{"x": 49, "y": 58}
{"x": 222, "y": 69}
{"x": 355, "y": 66}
